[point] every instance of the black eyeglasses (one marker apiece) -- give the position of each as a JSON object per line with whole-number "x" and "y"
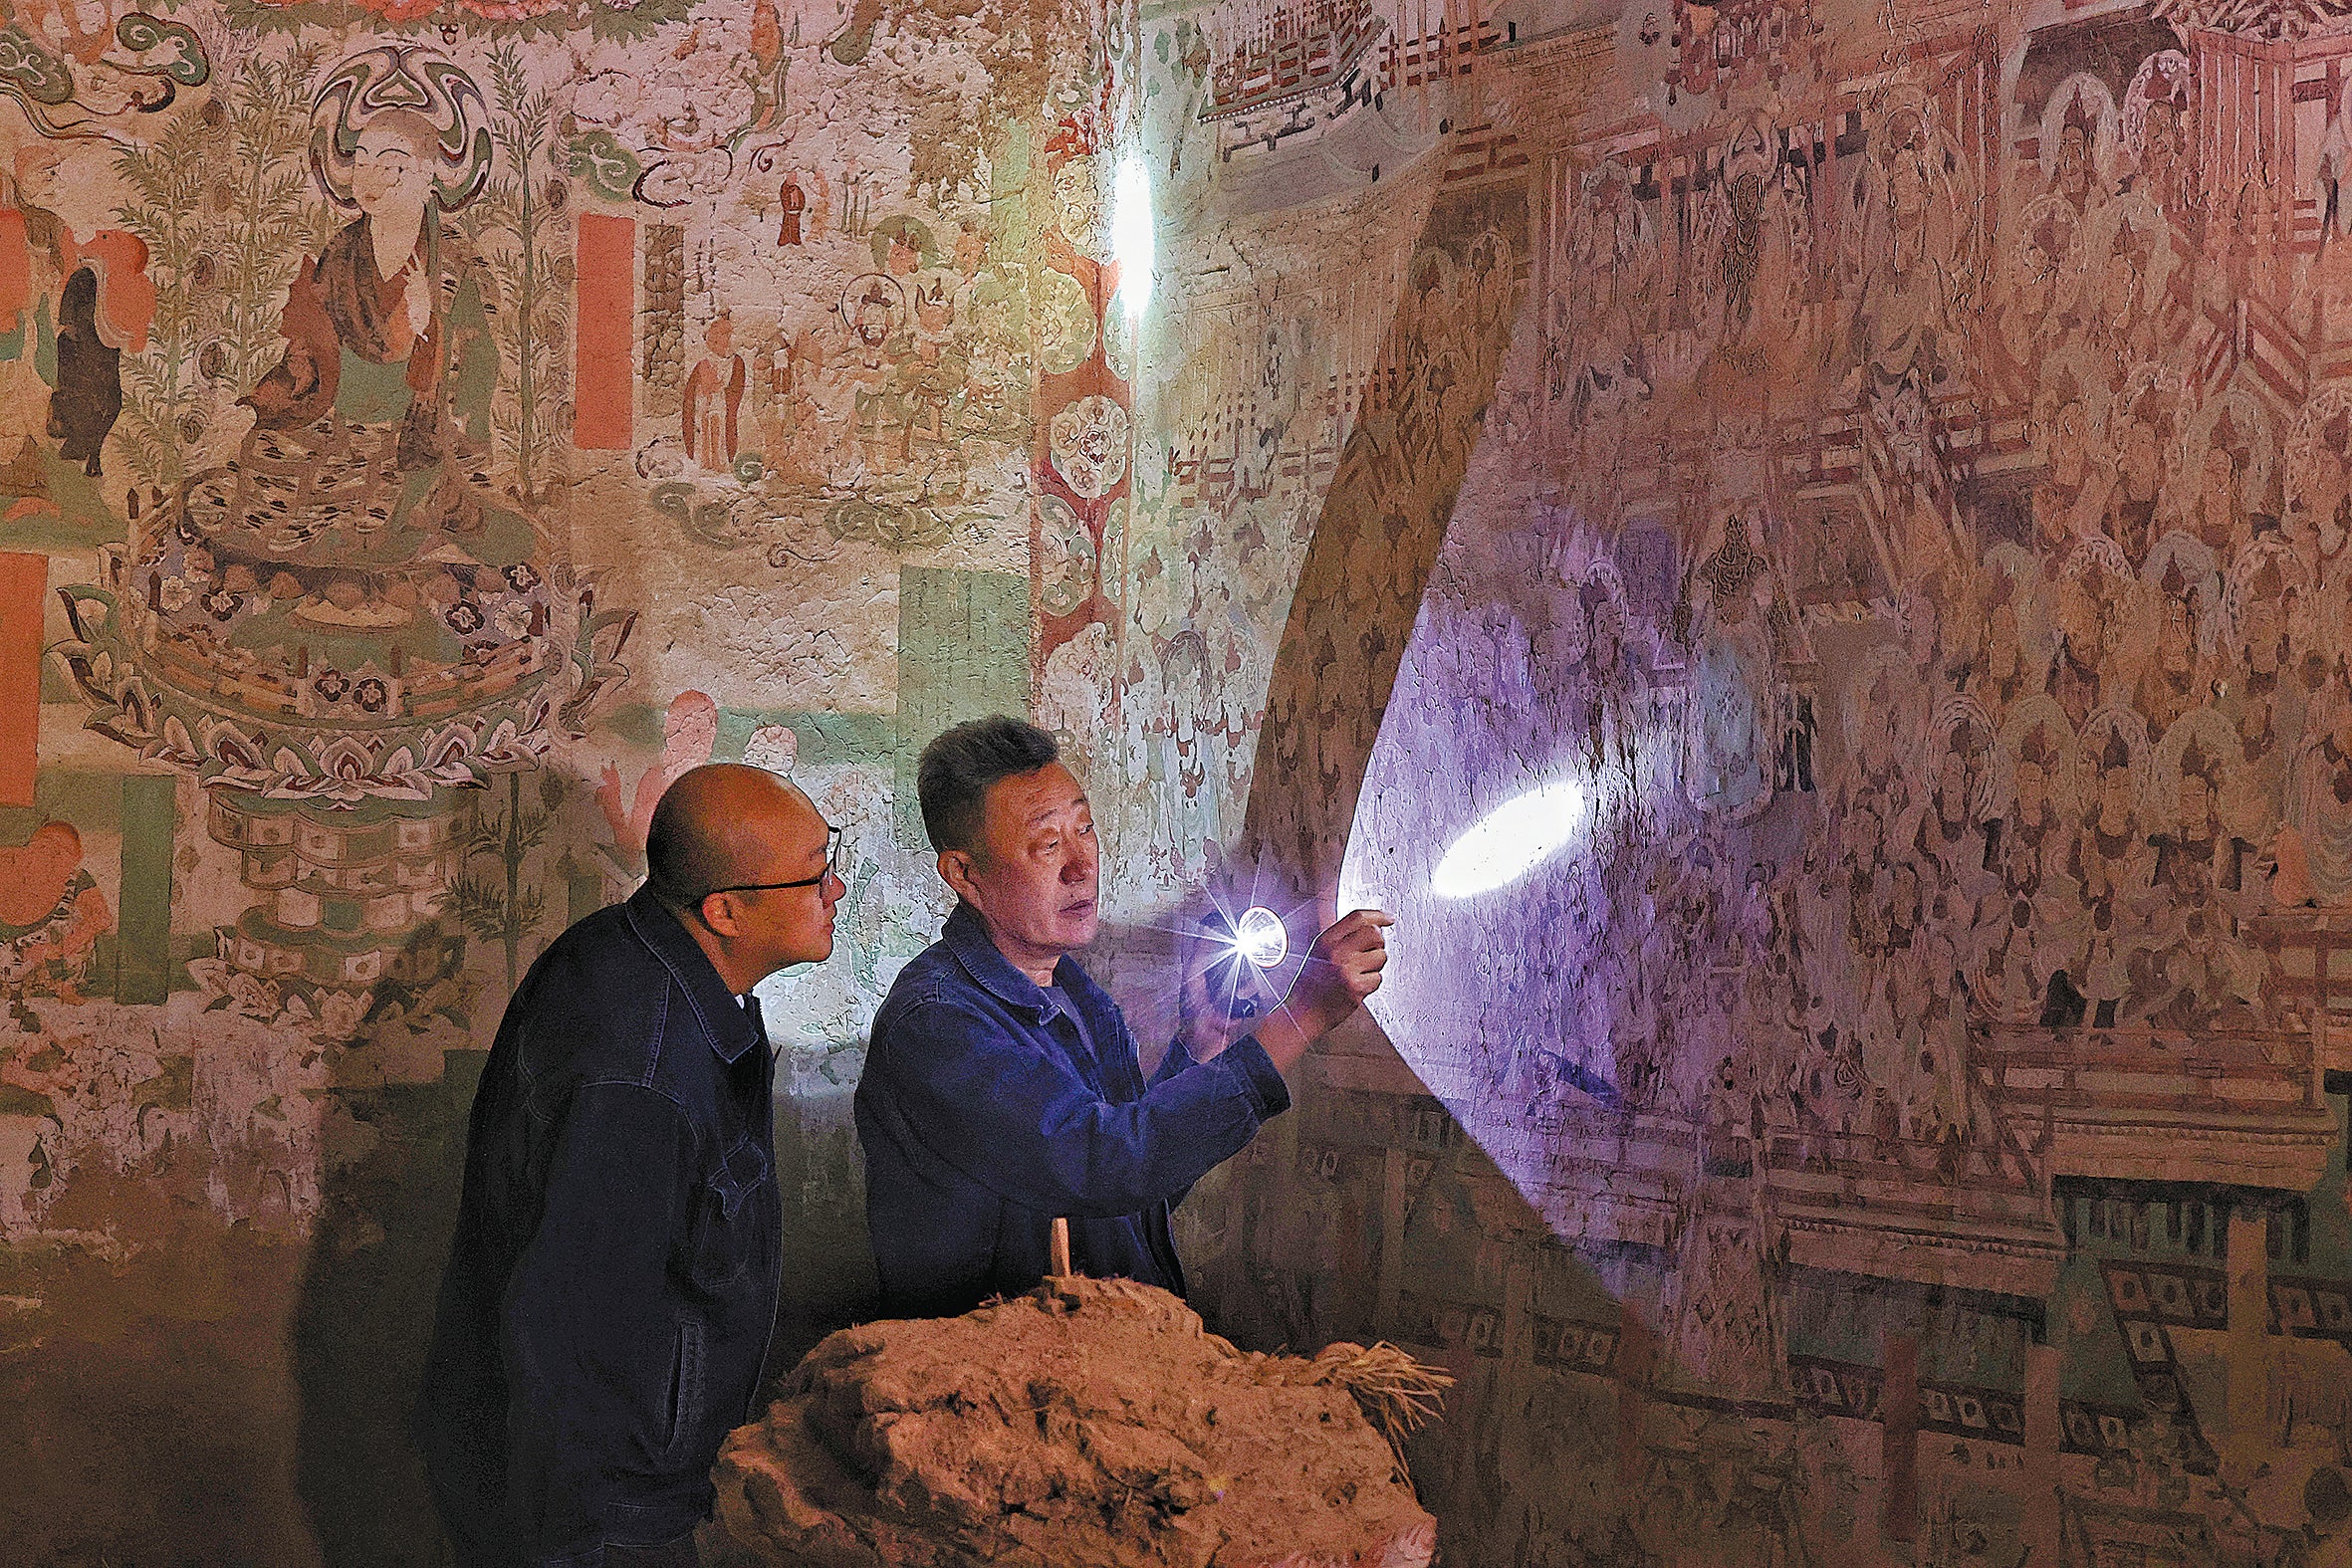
{"x": 835, "y": 845}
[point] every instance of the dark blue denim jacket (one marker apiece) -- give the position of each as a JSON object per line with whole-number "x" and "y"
{"x": 985, "y": 1111}
{"x": 612, "y": 1281}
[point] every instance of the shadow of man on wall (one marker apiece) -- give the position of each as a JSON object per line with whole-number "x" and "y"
{"x": 394, "y": 1166}
{"x": 394, "y": 1163}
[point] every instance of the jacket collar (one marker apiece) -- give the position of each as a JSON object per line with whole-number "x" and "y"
{"x": 967, "y": 939}
{"x": 724, "y": 1023}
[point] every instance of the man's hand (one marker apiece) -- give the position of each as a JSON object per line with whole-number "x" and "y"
{"x": 1341, "y": 970}
{"x": 1220, "y": 1001}
{"x": 1204, "y": 1026}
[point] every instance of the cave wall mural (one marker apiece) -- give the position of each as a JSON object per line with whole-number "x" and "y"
{"x": 429, "y": 429}
{"x": 1881, "y": 475}
{"x": 1896, "y": 527}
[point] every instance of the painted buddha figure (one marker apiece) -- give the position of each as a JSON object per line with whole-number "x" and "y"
{"x": 347, "y": 623}
{"x": 384, "y": 386}
{"x": 355, "y": 561}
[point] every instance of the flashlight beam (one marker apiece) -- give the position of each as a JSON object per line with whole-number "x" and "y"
{"x": 1512, "y": 840}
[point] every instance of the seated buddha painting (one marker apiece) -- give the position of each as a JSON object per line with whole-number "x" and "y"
{"x": 352, "y": 580}
{"x": 371, "y": 435}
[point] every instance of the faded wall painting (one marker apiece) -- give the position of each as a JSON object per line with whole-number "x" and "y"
{"x": 1820, "y": 604}
{"x": 429, "y": 429}
{"x": 1800, "y": 547}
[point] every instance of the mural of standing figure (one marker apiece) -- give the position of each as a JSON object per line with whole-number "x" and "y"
{"x": 2314, "y": 849}
{"x": 32, "y": 249}
{"x": 793, "y": 201}
{"x": 714, "y": 398}
{"x": 689, "y": 730}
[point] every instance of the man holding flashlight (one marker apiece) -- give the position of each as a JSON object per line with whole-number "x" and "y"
{"x": 1003, "y": 1087}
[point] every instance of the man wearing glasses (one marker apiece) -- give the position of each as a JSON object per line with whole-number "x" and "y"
{"x": 613, "y": 1276}
{"x": 1002, "y": 1090}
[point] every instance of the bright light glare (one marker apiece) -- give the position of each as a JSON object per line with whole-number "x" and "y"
{"x": 1260, "y": 937}
{"x": 1509, "y": 841}
{"x": 1131, "y": 236}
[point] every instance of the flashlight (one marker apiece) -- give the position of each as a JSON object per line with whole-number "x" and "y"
{"x": 1260, "y": 937}
{"x": 1246, "y": 945}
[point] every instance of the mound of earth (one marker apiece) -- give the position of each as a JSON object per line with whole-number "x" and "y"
{"x": 1093, "y": 1423}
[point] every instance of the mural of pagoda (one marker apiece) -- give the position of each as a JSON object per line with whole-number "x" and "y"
{"x": 348, "y": 621}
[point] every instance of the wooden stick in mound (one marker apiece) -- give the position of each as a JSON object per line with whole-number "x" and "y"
{"x": 1057, "y": 1250}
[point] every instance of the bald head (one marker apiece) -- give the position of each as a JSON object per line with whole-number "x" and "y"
{"x": 725, "y": 823}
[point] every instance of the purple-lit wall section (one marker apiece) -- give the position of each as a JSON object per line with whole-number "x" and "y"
{"x": 1892, "y": 467}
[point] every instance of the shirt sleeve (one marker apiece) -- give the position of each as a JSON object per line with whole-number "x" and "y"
{"x": 587, "y": 1338}
{"x": 1172, "y": 1062}
{"x": 1245, "y": 1056}
{"x": 1015, "y": 1118}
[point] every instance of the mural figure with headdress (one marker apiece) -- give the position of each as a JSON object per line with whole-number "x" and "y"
{"x": 2116, "y": 313}
{"x": 2198, "y": 858}
{"x": 2139, "y": 432}
{"x": 1734, "y": 596}
{"x": 2188, "y": 859}
{"x": 2195, "y": 967}
{"x": 1950, "y": 837}
{"x": 1611, "y": 712}
{"x": 2030, "y": 893}
{"x": 2183, "y": 588}
{"x": 2156, "y": 109}
{"x": 874, "y": 311}
{"x": 939, "y": 364}
{"x": 388, "y": 356}
{"x": 1734, "y": 219}
{"x": 2227, "y": 470}
{"x": 2112, "y": 862}
{"x": 2087, "y": 611}
{"x": 2001, "y": 671}
{"x": 2315, "y": 852}
{"x": 1911, "y": 264}
{"x": 2318, "y": 487}
{"x": 2075, "y": 165}
{"x": 2070, "y": 413}
{"x": 1596, "y": 335}
{"x": 2074, "y": 178}
{"x": 2263, "y": 700}
{"x": 1912, "y": 248}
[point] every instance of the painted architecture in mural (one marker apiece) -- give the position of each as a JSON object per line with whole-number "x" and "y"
{"x": 1898, "y": 502}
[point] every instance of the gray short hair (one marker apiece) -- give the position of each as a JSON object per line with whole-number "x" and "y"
{"x": 953, "y": 778}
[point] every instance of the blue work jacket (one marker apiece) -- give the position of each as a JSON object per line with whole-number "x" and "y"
{"x": 986, "y": 1109}
{"x": 612, "y": 1281}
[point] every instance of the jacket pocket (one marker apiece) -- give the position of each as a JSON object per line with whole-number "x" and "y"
{"x": 737, "y": 1204}
{"x": 685, "y": 1391}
